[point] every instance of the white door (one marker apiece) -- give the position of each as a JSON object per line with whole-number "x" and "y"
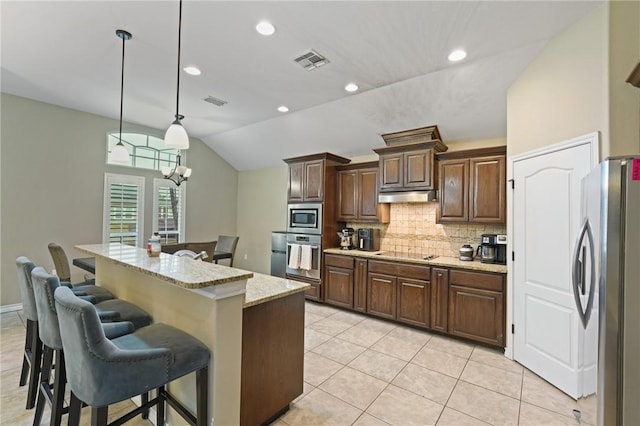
{"x": 549, "y": 336}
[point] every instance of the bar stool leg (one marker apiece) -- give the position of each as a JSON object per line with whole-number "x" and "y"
{"x": 75, "y": 405}
{"x": 202, "y": 396}
{"x": 144, "y": 399}
{"x": 99, "y": 416}
{"x": 36, "y": 361}
{"x": 26, "y": 359}
{"x": 160, "y": 406}
{"x": 47, "y": 361}
{"x": 59, "y": 384}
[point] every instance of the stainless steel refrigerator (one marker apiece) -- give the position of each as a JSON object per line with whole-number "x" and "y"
{"x": 278, "y": 253}
{"x": 606, "y": 284}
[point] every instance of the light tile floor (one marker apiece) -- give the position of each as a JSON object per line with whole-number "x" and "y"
{"x": 363, "y": 371}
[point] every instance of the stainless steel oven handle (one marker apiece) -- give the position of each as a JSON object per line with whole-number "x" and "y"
{"x": 312, "y": 246}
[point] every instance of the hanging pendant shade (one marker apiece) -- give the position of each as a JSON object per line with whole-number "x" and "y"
{"x": 119, "y": 153}
{"x": 176, "y": 136}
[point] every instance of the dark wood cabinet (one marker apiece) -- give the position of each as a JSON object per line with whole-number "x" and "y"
{"x": 472, "y": 186}
{"x": 439, "y": 298}
{"x": 411, "y": 170}
{"x": 358, "y": 194}
{"x": 339, "y": 280}
{"x": 407, "y": 163}
{"x": 360, "y": 286}
{"x": 454, "y": 191}
{"x": 476, "y": 306}
{"x": 311, "y": 176}
{"x": 381, "y": 295}
{"x": 463, "y": 303}
{"x": 487, "y": 189}
{"x": 413, "y": 301}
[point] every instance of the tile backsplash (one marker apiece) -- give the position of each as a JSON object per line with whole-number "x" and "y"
{"x": 413, "y": 230}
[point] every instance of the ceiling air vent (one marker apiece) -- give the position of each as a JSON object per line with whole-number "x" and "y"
{"x": 311, "y": 60}
{"x": 215, "y": 101}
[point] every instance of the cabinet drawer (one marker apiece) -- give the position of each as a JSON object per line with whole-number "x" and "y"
{"x": 339, "y": 261}
{"x": 478, "y": 280}
{"x": 400, "y": 269}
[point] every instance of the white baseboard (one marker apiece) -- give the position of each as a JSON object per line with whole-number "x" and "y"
{"x": 10, "y": 308}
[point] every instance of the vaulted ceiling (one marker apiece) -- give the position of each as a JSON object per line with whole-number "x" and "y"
{"x": 66, "y": 53}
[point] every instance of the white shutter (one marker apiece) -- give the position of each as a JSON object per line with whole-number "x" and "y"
{"x": 123, "y": 209}
{"x": 168, "y": 211}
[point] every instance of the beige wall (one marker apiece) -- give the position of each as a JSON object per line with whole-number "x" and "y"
{"x": 624, "y": 99}
{"x": 262, "y": 208}
{"x": 53, "y": 162}
{"x": 563, "y": 92}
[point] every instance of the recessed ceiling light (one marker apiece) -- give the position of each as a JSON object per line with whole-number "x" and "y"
{"x": 265, "y": 28}
{"x": 283, "y": 108}
{"x": 457, "y": 55}
{"x": 192, "y": 70}
{"x": 351, "y": 87}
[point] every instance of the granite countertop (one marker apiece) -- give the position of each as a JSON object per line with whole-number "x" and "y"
{"x": 450, "y": 262}
{"x": 181, "y": 271}
{"x": 263, "y": 288}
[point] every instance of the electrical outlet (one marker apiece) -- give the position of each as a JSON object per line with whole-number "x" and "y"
{"x": 245, "y": 256}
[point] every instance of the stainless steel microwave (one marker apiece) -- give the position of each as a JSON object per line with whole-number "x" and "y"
{"x": 304, "y": 218}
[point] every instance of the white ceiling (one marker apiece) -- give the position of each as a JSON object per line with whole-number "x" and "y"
{"x": 66, "y": 53}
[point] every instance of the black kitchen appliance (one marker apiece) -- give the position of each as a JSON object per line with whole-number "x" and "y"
{"x": 493, "y": 249}
{"x": 369, "y": 239}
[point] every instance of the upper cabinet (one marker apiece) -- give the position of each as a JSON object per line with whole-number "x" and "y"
{"x": 472, "y": 186}
{"x": 408, "y": 161}
{"x": 357, "y": 187}
{"x": 309, "y": 176}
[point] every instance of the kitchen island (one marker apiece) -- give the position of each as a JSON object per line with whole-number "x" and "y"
{"x": 210, "y": 302}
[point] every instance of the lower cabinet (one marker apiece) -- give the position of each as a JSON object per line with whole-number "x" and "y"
{"x": 381, "y": 297}
{"x": 476, "y": 306}
{"x": 338, "y": 280}
{"x": 463, "y": 303}
{"x": 360, "y": 286}
{"x": 413, "y": 301}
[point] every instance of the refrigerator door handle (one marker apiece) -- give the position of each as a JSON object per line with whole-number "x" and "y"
{"x": 578, "y": 272}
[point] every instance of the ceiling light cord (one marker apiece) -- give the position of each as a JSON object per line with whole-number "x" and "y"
{"x": 178, "y": 117}
{"x": 124, "y": 39}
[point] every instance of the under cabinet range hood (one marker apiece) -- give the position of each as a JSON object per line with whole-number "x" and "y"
{"x": 407, "y": 197}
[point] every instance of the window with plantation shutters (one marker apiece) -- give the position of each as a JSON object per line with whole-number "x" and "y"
{"x": 168, "y": 211}
{"x": 123, "y": 209}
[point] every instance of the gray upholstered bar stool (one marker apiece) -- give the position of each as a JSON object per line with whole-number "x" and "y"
{"x": 102, "y": 372}
{"x": 44, "y": 285}
{"x": 88, "y": 287}
{"x": 32, "y": 358}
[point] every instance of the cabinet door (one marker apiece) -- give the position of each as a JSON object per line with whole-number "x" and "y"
{"x": 487, "y": 196}
{"x": 413, "y": 301}
{"x": 347, "y": 195}
{"x": 381, "y": 295}
{"x": 454, "y": 191}
{"x": 360, "y": 286}
{"x": 476, "y": 314}
{"x": 418, "y": 169}
{"x": 439, "y": 298}
{"x": 313, "y": 180}
{"x": 338, "y": 286}
{"x": 368, "y": 194}
{"x": 296, "y": 176}
{"x": 391, "y": 172}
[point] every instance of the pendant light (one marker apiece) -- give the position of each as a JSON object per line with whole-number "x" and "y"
{"x": 176, "y": 136}
{"x": 119, "y": 154}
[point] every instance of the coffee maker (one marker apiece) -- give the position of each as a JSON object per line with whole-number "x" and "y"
{"x": 346, "y": 239}
{"x": 369, "y": 239}
{"x": 493, "y": 249}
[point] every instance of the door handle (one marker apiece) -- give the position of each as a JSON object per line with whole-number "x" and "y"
{"x": 578, "y": 272}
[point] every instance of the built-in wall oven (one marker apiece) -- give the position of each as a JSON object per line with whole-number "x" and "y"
{"x": 304, "y": 254}
{"x": 304, "y": 218}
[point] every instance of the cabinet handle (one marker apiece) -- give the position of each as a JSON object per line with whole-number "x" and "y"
{"x": 412, "y": 285}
